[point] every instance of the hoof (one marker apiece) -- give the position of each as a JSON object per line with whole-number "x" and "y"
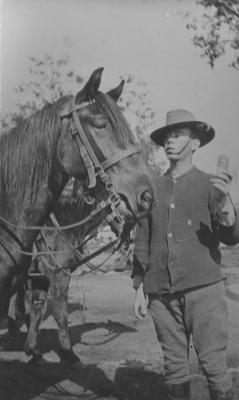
{"x": 68, "y": 357}
{"x": 32, "y": 351}
{"x": 37, "y": 360}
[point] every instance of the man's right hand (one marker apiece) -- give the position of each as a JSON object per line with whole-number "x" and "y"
{"x": 140, "y": 303}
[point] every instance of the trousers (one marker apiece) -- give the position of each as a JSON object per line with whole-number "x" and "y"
{"x": 201, "y": 314}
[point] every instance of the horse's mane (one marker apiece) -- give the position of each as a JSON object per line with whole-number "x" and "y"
{"x": 120, "y": 128}
{"x": 27, "y": 152}
{"x": 71, "y": 197}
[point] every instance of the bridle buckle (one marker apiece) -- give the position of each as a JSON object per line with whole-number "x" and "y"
{"x": 74, "y": 130}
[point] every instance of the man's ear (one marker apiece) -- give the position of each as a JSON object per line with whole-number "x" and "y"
{"x": 195, "y": 144}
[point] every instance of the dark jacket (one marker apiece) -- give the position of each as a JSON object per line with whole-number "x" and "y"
{"x": 177, "y": 247}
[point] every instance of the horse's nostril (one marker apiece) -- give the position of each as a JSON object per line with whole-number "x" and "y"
{"x": 145, "y": 200}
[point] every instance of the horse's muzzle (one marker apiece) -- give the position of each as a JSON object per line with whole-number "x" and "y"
{"x": 143, "y": 205}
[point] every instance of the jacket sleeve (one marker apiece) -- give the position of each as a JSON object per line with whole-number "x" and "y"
{"x": 228, "y": 235}
{"x": 141, "y": 248}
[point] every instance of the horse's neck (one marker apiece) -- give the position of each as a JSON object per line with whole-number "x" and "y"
{"x": 35, "y": 213}
{"x": 71, "y": 213}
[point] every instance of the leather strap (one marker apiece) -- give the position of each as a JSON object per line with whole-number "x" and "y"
{"x": 119, "y": 156}
{"x": 85, "y": 140}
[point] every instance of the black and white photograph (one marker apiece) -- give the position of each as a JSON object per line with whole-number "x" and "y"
{"x": 119, "y": 200}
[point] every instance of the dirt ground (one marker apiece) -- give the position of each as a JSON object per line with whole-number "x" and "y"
{"x": 121, "y": 358}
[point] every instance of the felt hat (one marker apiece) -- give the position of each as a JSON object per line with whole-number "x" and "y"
{"x": 183, "y": 119}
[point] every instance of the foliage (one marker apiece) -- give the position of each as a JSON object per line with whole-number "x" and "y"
{"x": 218, "y": 33}
{"x": 135, "y": 103}
{"x": 49, "y": 80}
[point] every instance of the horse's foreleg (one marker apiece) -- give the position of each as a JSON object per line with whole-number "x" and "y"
{"x": 16, "y": 313}
{"x": 34, "y": 319}
{"x": 5, "y": 294}
{"x": 13, "y": 327}
{"x": 59, "y": 289}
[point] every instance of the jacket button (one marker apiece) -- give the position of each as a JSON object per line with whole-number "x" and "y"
{"x": 170, "y": 235}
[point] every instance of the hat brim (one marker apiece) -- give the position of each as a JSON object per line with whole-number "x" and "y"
{"x": 204, "y": 131}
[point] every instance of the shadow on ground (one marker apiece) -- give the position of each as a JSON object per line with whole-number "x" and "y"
{"x": 24, "y": 382}
{"x": 48, "y": 338}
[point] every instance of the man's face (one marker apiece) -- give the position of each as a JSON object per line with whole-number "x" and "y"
{"x": 179, "y": 143}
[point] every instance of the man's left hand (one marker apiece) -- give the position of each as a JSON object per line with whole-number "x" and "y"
{"x": 224, "y": 206}
{"x": 222, "y": 183}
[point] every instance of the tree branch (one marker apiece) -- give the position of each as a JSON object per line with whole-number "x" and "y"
{"x": 228, "y": 8}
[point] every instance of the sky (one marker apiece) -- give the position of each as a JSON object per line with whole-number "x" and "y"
{"x": 148, "y": 39}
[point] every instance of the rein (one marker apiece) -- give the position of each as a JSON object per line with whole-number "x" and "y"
{"x": 81, "y": 259}
{"x": 99, "y": 208}
{"x": 116, "y": 244}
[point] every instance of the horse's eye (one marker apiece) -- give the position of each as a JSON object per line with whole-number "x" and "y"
{"x": 102, "y": 131}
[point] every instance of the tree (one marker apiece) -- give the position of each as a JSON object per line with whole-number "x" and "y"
{"x": 138, "y": 110}
{"x": 219, "y": 32}
{"x": 49, "y": 80}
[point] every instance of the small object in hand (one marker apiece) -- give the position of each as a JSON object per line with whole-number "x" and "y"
{"x": 222, "y": 163}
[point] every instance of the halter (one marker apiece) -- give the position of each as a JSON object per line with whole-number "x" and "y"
{"x": 93, "y": 166}
{"x": 89, "y": 157}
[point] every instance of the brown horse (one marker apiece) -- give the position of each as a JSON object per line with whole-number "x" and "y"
{"x": 38, "y": 157}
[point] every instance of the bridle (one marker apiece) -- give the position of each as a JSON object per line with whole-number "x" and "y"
{"x": 95, "y": 170}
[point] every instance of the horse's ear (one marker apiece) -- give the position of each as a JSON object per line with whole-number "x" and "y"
{"x": 116, "y": 92}
{"x": 90, "y": 89}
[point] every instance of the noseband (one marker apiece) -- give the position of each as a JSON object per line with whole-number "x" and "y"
{"x": 96, "y": 169}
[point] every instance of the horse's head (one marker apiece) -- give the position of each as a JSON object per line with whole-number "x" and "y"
{"x": 95, "y": 119}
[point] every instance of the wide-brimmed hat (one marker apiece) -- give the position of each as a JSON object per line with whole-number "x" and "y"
{"x": 183, "y": 119}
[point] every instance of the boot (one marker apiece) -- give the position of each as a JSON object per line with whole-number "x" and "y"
{"x": 219, "y": 395}
{"x": 180, "y": 391}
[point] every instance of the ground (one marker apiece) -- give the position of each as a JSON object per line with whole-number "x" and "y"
{"x": 120, "y": 356}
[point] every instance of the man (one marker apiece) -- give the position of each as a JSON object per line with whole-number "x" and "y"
{"x": 176, "y": 259}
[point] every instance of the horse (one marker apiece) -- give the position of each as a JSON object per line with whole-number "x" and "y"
{"x": 81, "y": 137}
